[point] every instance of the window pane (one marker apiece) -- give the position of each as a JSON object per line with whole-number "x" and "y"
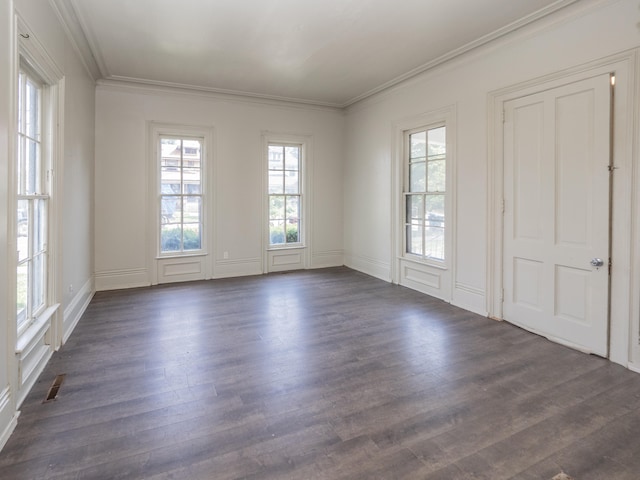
{"x": 276, "y": 232}
{"x": 170, "y": 238}
{"x": 437, "y": 142}
{"x": 191, "y": 151}
{"x": 170, "y": 152}
{"x": 434, "y": 207}
{"x": 434, "y": 242}
{"x": 33, "y": 167}
{"x": 276, "y": 181}
{"x": 22, "y": 289}
{"x": 291, "y": 182}
{"x": 285, "y": 203}
{"x": 192, "y": 181}
{"x": 292, "y": 158}
{"x": 23, "y": 229}
{"x": 21, "y": 163}
{"x": 437, "y": 176}
{"x": 418, "y": 142}
{"x": 276, "y": 157}
{"x": 415, "y": 206}
{"x": 417, "y": 181}
{"x": 39, "y": 225}
{"x": 414, "y": 239}
{"x": 171, "y": 211}
{"x": 292, "y": 209}
{"x": 192, "y": 236}
{"x": 32, "y": 111}
{"x": 192, "y": 210}
{"x": 170, "y": 180}
{"x": 38, "y": 283}
{"x": 276, "y": 207}
{"x": 292, "y": 233}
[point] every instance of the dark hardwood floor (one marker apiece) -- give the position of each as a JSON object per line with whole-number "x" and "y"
{"x": 326, "y": 374}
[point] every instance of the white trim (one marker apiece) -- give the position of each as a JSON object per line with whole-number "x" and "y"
{"x": 88, "y": 36}
{"x": 484, "y": 40}
{"x": 634, "y": 283}
{"x": 369, "y": 265}
{"x": 178, "y": 90}
{"x": 470, "y": 298}
{"x": 75, "y": 309}
{"x": 624, "y": 298}
{"x": 404, "y": 263}
{"x": 157, "y": 263}
{"x": 36, "y": 344}
{"x": 238, "y": 267}
{"x": 563, "y": 15}
{"x": 7, "y": 411}
{"x": 306, "y": 246}
{"x": 68, "y": 18}
{"x": 330, "y": 258}
{"x": 120, "y": 279}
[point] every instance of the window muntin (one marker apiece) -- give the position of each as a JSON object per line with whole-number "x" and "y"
{"x": 32, "y": 202}
{"x": 181, "y": 194}
{"x": 425, "y": 192}
{"x": 285, "y": 194}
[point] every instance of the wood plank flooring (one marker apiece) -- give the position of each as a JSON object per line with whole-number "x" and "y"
{"x": 326, "y": 374}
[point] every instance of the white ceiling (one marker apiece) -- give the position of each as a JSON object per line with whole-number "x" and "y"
{"x": 325, "y": 52}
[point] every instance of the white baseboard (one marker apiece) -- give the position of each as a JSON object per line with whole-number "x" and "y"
{"x": 237, "y": 268}
{"x": 119, "y": 279}
{"x": 8, "y": 416}
{"x": 469, "y": 298}
{"x": 370, "y": 266}
{"x": 73, "y": 312}
{"x": 332, "y": 258}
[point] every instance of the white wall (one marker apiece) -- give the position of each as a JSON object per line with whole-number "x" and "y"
{"x": 124, "y": 251}
{"x": 585, "y": 32}
{"x": 75, "y": 168}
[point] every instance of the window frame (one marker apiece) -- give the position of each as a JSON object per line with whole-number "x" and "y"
{"x": 424, "y": 194}
{"x": 192, "y": 264}
{"x": 301, "y": 220}
{"x": 433, "y": 277}
{"x": 39, "y": 194}
{"x": 32, "y": 58}
{"x": 181, "y": 195}
{"x": 288, "y": 256}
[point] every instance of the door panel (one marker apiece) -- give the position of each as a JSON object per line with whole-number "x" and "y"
{"x": 556, "y": 192}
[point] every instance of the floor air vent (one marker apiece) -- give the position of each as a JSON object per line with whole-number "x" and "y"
{"x": 54, "y": 388}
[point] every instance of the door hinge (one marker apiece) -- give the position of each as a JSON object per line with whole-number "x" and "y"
{"x": 503, "y": 116}
{"x": 609, "y": 265}
{"x": 503, "y": 206}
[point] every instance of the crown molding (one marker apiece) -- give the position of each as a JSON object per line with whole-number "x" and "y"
{"x": 75, "y": 31}
{"x": 165, "y": 88}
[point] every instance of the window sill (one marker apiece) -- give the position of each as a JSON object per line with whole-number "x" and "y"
{"x": 440, "y": 265}
{"x": 36, "y": 329}
{"x": 285, "y": 247}
{"x": 181, "y": 255}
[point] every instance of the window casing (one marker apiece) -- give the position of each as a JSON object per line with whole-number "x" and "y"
{"x": 32, "y": 200}
{"x": 425, "y": 193}
{"x": 180, "y": 194}
{"x": 285, "y": 194}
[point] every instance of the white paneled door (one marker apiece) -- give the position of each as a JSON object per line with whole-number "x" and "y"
{"x": 556, "y": 213}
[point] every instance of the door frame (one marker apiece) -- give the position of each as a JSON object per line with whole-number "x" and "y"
{"x": 624, "y": 300}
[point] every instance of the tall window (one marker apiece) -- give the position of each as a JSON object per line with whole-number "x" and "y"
{"x": 32, "y": 202}
{"x": 285, "y": 194}
{"x": 181, "y": 194}
{"x": 425, "y": 192}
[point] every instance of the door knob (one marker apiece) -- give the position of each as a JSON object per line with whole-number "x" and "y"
{"x": 597, "y": 262}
